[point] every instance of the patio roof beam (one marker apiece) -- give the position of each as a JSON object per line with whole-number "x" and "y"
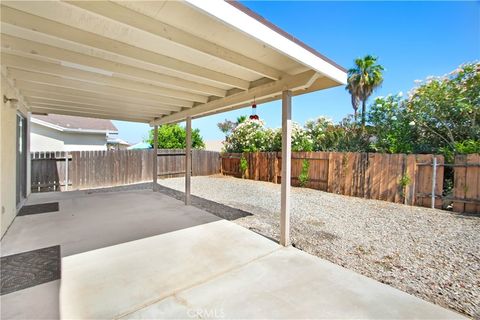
{"x": 86, "y": 112}
{"x": 36, "y": 50}
{"x": 33, "y": 77}
{"x": 262, "y": 91}
{"x": 99, "y": 115}
{"x": 118, "y": 12}
{"x": 93, "y": 107}
{"x": 119, "y": 103}
{"x": 32, "y": 65}
{"x": 57, "y": 20}
{"x": 47, "y": 91}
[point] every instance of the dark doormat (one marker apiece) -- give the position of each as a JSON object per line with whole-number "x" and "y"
{"x": 218, "y": 209}
{"x": 27, "y": 269}
{"x": 38, "y": 208}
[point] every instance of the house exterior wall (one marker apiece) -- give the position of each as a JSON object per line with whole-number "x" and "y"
{"x": 48, "y": 139}
{"x": 8, "y": 154}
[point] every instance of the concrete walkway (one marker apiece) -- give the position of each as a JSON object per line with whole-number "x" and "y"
{"x": 221, "y": 270}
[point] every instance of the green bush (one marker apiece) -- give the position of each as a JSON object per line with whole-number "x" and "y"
{"x": 172, "y": 136}
{"x": 243, "y": 166}
{"x": 303, "y": 178}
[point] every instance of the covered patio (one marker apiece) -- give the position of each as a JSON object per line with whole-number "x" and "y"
{"x": 142, "y": 254}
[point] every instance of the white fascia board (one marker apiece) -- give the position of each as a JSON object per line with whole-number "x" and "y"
{"x": 63, "y": 129}
{"x": 232, "y": 16}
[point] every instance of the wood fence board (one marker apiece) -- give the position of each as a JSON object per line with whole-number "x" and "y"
{"x": 460, "y": 183}
{"x": 368, "y": 175}
{"x": 93, "y": 169}
{"x": 471, "y": 183}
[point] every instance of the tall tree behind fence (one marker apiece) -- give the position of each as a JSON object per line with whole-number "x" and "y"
{"x": 399, "y": 178}
{"x": 93, "y": 169}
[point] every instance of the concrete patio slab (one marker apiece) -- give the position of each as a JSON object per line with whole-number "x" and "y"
{"x": 88, "y": 221}
{"x": 116, "y": 281}
{"x": 222, "y": 270}
{"x": 39, "y": 302}
{"x": 291, "y": 284}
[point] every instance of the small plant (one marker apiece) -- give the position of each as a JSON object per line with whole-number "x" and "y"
{"x": 404, "y": 182}
{"x": 243, "y": 166}
{"x": 303, "y": 177}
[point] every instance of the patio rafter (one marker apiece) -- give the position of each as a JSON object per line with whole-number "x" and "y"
{"x": 92, "y": 114}
{"x": 50, "y": 93}
{"x": 56, "y": 20}
{"x": 42, "y": 78}
{"x": 31, "y": 65}
{"x": 117, "y": 11}
{"x": 90, "y": 106}
{"x": 36, "y": 50}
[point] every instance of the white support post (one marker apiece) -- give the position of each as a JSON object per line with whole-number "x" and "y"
{"x": 188, "y": 160}
{"x": 286, "y": 167}
{"x": 155, "y": 158}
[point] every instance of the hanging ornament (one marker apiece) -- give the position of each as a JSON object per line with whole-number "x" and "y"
{"x": 254, "y": 115}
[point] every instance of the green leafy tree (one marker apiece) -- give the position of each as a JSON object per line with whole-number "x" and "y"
{"x": 447, "y": 110}
{"x": 392, "y": 126}
{"x": 173, "y": 136}
{"x": 362, "y": 80}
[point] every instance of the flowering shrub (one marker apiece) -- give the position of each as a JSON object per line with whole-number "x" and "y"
{"x": 248, "y": 136}
{"x": 301, "y": 140}
{"x": 252, "y": 136}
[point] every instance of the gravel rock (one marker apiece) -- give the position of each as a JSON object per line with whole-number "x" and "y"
{"x": 432, "y": 254}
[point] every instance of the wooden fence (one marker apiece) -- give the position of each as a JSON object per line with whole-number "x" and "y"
{"x": 399, "y": 178}
{"x": 466, "y": 195}
{"x": 396, "y": 178}
{"x": 93, "y": 169}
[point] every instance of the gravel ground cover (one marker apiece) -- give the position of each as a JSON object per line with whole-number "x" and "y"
{"x": 429, "y": 253}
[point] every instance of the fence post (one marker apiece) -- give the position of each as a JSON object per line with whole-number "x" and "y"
{"x": 434, "y": 180}
{"x": 66, "y": 171}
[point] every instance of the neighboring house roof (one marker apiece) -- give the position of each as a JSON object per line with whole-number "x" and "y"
{"x": 214, "y": 145}
{"x": 117, "y": 141}
{"x": 75, "y": 124}
{"x": 140, "y": 145}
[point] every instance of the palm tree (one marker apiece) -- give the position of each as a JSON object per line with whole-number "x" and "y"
{"x": 362, "y": 80}
{"x": 241, "y": 119}
{"x": 353, "y": 90}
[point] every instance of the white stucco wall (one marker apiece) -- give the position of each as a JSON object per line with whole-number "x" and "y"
{"x": 8, "y": 155}
{"x": 48, "y": 139}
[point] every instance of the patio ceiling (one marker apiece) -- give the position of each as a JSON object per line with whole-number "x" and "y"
{"x": 156, "y": 62}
